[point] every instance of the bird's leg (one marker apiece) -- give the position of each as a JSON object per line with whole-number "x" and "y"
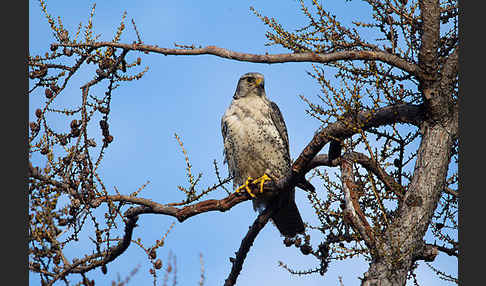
{"x": 245, "y": 186}
{"x": 262, "y": 180}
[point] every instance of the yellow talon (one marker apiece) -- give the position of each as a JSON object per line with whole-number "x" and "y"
{"x": 246, "y": 187}
{"x": 262, "y": 180}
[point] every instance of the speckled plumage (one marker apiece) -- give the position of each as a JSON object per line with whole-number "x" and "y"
{"x": 256, "y": 143}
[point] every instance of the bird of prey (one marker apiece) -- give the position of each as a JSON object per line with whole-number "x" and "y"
{"x": 256, "y": 148}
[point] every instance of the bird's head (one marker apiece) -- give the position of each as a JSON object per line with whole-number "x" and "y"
{"x": 250, "y": 84}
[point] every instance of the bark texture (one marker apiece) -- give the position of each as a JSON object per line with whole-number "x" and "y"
{"x": 403, "y": 243}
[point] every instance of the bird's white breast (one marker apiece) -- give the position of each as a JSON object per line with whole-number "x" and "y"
{"x": 253, "y": 145}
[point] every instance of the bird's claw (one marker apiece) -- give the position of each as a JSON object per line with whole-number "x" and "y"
{"x": 249, "y": 181}
{"x": 262, "y": 181}
{"x": 245, "y": 186}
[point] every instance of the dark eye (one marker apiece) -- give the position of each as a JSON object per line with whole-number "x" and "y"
{"x": 250, "y": 79}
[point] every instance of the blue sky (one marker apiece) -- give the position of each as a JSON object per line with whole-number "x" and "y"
{"x": 188, "y": 95}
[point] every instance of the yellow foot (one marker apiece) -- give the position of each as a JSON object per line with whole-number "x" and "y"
{"x": 262, "y": 180}
{"x": 250, "y": 180}
{"x": 245, "y": 186}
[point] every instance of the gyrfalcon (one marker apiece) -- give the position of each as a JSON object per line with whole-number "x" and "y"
{"x": 256, "y": 143}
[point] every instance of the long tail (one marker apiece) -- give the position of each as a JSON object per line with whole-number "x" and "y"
{"x": 287, "y": 219}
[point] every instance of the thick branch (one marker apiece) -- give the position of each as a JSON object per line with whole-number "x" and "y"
{"x": 451, "y": 66}
{"x": 115, "y": 251}
{"x": 322, "y": 160}
{"x": 428, "y": 253}
{"x": 404, "y": 113}
{"x": 448, "y": 251}
{"x": 449, "y": 73}
{"x": 149, "y": 206}
{"x": 385, "y": 57}
{"x": 352, "y": 210}
{"x": 430, "y": 16}
{"x": 246, "y": 243}
{"x": 374, "y": 168}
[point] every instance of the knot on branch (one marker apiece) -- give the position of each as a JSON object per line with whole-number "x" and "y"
{"x": 427, "y": 253}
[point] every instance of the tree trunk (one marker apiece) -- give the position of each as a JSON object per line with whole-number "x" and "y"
{"x": 402, "y": 244}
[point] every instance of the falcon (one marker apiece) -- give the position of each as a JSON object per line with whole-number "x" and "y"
{"x": 256, "y": 149}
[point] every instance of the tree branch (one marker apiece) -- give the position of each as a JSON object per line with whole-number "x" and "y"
{"x": 403, "y": 113}
{"x": 449, "y": 73}
{"x": 181, "y": 214}
{"x": 246, "y": 243}
{"x": 352, "y": 211}
{"x": 385, "y": 57}
{"x": 108, "y": 255}
{"x": 448, "y": 251}
{"x": 451, "y": 192}
{"x": 428, "y": 253}
{"x": 366, "y": 162}
{"x": 34, "y": 173}
{"x": 374, "y": 168}
{"x": 430, "y": 16}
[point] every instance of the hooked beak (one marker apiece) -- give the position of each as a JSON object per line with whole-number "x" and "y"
{"x": 259, "y": 82}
